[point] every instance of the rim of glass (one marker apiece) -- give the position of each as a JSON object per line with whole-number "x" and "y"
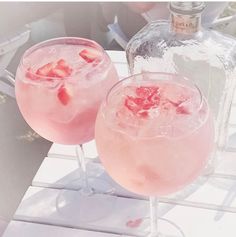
{"x": 60, "y": 40}
{"x": 130, "y": 78}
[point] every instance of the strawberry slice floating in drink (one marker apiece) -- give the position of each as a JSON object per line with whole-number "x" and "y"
{"x": 61, "y": 69}
{"x": 31, "y": 75}
{"x": 147, "y": 98}
{"x": 133, "y": 104}
{"x": 63, "y": 95}
{"x": 63, "y": 66}
{"x": 57, "y": 73}
{"x": 180, "y": 108}
{"x": 46, "y": 69}
{"x": 146, "y": 91}
{"x": 62, "y": 63}
{"x": 60, "y": 72}
{"x": 90, "y": 55}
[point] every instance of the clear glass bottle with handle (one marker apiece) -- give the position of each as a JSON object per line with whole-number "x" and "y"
{"x": 182, "y": 46}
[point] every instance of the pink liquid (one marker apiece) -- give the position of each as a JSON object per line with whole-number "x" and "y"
{"x": 159, "y": 150}
{"x": 39, "y": 103}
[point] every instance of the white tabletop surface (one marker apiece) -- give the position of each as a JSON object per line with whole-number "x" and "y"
{"x": 205, "y": 208}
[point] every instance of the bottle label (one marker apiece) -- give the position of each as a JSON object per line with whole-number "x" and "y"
{"x": 185, "y": 24}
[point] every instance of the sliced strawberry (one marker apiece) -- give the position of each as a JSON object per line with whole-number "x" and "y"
{"x": 149, "y": 93}
{"x": 143, "y": 114}
{"x": 148, "y": 98}
{"x": 134, "y": 223}
{"x": 148, "y": 105}
{"x": 154, "y": 99}
{"x": 133, "y": 104}
{"x": 62, "y": 63}
{"x": 146, "y": 91}
{"x": 64, "y": 95}
{"x": 139, "y": 106}
{"x": 89, "y": 55}
{"x": 45, "y": 70}
{"x": 67, "y": 70}
{"x": 30, "y": 74}
{"x": 56, "y": 72}
{"x": 176, "y": 104}
{"x": 182, "y": 110}
{"x": 60, "y": 69}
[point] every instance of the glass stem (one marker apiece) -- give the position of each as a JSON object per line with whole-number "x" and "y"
{"x": 153, "y": 202}
{"x": 86, "y": 189}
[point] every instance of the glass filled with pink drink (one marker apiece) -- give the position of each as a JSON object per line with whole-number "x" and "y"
{"x": 160, "y": 134}
{"x": 60, "y": 84}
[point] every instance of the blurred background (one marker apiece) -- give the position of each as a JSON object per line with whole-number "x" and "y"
{"x": 25, "y": 24}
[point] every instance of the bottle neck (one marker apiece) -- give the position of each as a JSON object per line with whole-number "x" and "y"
{"x": 185, "y": 24}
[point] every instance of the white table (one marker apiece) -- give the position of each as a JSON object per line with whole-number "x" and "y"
{"x": 205, "y": 208}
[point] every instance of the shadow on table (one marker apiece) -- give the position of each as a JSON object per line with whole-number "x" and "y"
{"x": 49, "y": 206}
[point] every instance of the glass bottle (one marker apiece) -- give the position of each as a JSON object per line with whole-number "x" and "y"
{"x": 181, "y": 45}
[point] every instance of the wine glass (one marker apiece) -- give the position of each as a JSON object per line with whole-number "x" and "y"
{"x": 161, "y": 134}
{"x": 59, "y": 86}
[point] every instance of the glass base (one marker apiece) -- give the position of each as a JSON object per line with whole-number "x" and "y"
{"x": 84, "y": 208}
{"x": 81, "y": 200}
{"x": 209, "y": 169}
{"x": 97, "y": 185}
{"x": 98, "y": 179}
{"x": 167, "y": 228}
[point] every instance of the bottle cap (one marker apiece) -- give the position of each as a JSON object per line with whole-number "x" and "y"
{"x": 187, "y": 8}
